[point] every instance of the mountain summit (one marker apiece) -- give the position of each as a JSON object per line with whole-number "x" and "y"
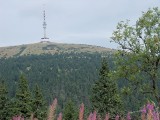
{"x": 47, "y": 47}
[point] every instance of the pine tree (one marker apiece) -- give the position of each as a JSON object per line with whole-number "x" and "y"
{"x": 69, "y": 111}
{"x": 13, "y": 108}
{"x": 3, "y": 101}
{"x": 23, "y": 98}
{"x": 39, "y": 105}
{"x": 105, "y": 97}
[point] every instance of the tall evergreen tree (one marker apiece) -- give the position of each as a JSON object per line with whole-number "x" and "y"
{"x": 69, "y": 111}
{"x": 13, "y": 108}
{"x": 39, "y": 105}
{"x": 23, "y": 98}
{"x": 3, "y": 101}
{"x": 105, "y": 97}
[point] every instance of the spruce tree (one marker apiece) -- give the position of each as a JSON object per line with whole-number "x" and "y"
{"x": 105, "y": 97}
{"x": 3, "y": 101}
{"x": 39, "y": 105}
{"x": 13, "y": 108}
{"x": 24, "y": 98}
{"x": 69, "y": 111}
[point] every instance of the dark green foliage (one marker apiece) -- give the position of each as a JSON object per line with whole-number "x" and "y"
{"x": 59, "y": 76}
{"x": 138, "y": 60}
{"x": 3, "y": 101}
{"x": 39, "y": 106}
{"x": 104, "y": 71}
{"x": 105, "y": 97}
{"x": 13, "y": 108}
{"x": 70, "y": 113}
{"x": 24, "y": 100}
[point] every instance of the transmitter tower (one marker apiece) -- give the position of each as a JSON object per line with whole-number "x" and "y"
{"x": 44, "y": 26}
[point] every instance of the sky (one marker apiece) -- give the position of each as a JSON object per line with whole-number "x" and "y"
{"x": 68, "y": 21}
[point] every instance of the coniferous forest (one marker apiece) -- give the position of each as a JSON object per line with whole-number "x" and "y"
{"x": 67, "y": 77}
{"x": 120, "y": 85}
{"x": 60, "y": 76}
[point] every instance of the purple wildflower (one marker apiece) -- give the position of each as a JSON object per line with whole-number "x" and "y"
{"x": 117, "y": 117}
{"x": 94, "y": 115}
{"x": 150, "y": 106}
{"x": 144, "y": 110}
{"x": 128, "y": 116}
{"x": 90, "y": 116}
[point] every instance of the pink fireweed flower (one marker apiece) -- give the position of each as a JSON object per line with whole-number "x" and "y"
{"x": 117, "y": 117}
{"x": 52, "y": 110}
{"x": 90, "y": 116}
{"x": 154, "y": 116}
{"x": 17, "y": 118}
{"x": 59, "y": 116}
{"x": 143, "y": 110}
{"x": 81, "y": 112}
{"x": 107, "y": 116}
{"x": 143, "y": 116}
{"x": 150, "y": 115}
{"x": 150, "y": 106}
{"x": 94, "y": 116}
{"x": 143, "y": 113}
{"x": 128, "y": 116}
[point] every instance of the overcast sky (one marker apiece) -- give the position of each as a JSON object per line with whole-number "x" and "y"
{"x": 68, "y": 21}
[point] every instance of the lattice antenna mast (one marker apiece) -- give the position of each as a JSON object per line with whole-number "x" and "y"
{"x": 44, "y": 25}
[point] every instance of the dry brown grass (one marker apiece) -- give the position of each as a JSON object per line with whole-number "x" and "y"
{"x": 37, "y": 48}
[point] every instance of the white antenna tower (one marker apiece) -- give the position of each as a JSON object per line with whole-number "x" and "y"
{"x": 44, "y": 24}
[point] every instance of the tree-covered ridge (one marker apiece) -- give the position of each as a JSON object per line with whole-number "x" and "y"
{"x": 60, "y": 76}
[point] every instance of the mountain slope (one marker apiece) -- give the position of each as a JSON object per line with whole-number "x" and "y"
{"x": 49, "y": 48}
{"x": 63, "y": 71}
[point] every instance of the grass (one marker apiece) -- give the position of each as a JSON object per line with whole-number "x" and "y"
{"x": 49, "y": 48}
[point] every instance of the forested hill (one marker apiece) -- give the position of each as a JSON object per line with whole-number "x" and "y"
{"x": 63, "y": 71}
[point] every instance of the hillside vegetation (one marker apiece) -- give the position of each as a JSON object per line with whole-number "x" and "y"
{"x": 49, "y": 48}
{"x": 63, "y": 71}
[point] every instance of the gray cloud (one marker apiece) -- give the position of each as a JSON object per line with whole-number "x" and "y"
{"x": 69, "y": 21}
